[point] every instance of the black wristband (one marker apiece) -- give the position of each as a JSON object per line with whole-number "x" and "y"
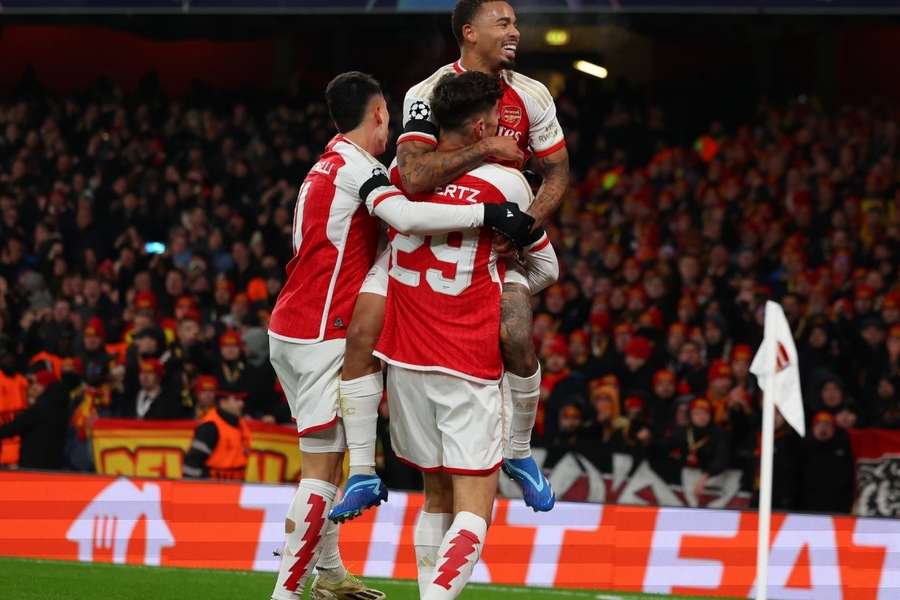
{"x": 535, "y": 236}
{"x": 375, "y": 181}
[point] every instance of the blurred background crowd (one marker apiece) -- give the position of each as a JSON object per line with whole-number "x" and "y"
{"x": 144, "y": 240}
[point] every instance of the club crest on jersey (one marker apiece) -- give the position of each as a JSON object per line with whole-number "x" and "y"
{"x": 419, "y": 111}
{"x": 338, "y": 323}
{"x": 511, "y": 115}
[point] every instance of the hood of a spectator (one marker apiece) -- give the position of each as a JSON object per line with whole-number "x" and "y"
{"x": 256, "y": 346}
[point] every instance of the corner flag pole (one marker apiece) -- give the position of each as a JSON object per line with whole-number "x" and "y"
{"x": 765, "y": 494}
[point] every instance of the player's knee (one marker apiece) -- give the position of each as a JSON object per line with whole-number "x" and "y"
{"x": 361, "y": 338}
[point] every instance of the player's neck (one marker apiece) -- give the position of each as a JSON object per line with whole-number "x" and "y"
{"x": 470, "y": 61}
{"x": 362, "y": 137}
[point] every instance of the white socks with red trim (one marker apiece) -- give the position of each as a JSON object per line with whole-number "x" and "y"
{"x": 525, "y": 393}
{"x": 459, "y": 551}
{"x": 303, "y": 540}
{"x": 330, "y": 566}
{"x": 427, "y": 538}
{"x": 359, "y": 410}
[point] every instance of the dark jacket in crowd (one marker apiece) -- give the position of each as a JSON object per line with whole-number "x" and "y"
{"x": 827, "y": 474}
{"x": 42, "y": 427}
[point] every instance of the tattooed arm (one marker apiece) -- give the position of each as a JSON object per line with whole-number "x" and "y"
{"x": 422, "y": 168}
{"x": 555, "y": 170}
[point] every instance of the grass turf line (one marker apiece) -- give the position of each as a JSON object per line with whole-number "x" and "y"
{"x": 28, "y": 579}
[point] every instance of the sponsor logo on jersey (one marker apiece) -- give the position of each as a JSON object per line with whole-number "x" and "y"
{"x": 501, "y": 130}
{"x": 511, "y": 115}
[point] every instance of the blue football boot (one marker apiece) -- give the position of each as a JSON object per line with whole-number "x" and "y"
{"x": 360, "y": 493}
{"x": 536, "y": 490}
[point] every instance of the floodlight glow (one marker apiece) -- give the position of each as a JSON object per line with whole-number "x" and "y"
{"x": 556, "y": 37}
{"x": 591, "y": 69}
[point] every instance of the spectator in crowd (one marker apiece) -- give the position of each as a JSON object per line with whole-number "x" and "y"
{"x": 13, "y": 398}
{"x": 827, "y": 467}
{"x": 151, "y": 401}
{"x": 42, "y": 426}
{"x": 205, "y": 389}
{"x": 221, "y": 441}
{"x": 701, "y": 444}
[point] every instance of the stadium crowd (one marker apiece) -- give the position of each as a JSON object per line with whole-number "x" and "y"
{"x": 144, "y": 241}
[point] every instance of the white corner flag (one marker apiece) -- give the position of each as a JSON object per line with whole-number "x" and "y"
{"x": 776, "y": 368}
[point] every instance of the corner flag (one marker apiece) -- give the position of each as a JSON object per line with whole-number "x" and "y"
{"x": 776, "y": 367}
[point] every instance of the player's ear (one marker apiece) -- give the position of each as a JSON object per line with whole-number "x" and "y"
{"x": 378, "y": 112}
{"x": 469, "y": 33}
{"x": 478, "y": 126}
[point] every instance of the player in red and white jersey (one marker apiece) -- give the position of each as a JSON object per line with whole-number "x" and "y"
{"x": 334, "y": 246}
{"x": 441, "y": 341}
{"x": 528, "y": 128}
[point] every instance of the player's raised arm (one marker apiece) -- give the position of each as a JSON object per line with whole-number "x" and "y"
{"x": 555, "y": 170}
{"x": 422, "y": 169}
{"x": 550, "y": 156}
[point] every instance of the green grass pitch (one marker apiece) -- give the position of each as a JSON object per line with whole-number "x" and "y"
{"x": 23, "y": 579}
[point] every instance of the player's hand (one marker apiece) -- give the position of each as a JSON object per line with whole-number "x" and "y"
{"x": 504, "y": 149}
{"x": 503, "y": 246}
{"x": 508, "y": 220}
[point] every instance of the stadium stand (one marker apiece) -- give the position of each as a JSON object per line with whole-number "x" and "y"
{"x": 144, "y": 238}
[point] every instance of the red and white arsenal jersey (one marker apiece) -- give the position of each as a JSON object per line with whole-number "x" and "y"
{"x": 443, "y": 301}
{"x": 527, "y": 113}
{"x": 334, "y": 241}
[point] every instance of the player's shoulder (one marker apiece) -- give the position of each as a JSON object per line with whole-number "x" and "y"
{"x": 531, "y": 90}
{"x": 354, "y": 157}
{"x": 508, "y": 182}
{"x": 424, "y": 88}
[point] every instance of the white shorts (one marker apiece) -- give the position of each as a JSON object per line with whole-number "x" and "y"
{"x": 444, "y": 423}
{"x": 310, "y": 375}
{"x": 376, "y": 281}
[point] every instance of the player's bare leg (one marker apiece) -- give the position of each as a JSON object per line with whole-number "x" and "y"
{"x": 473, "y": 502}
{"x": 523, "y": 374}
{"x": 432, "y": 525}
{"x": 361, "y": 390}
{"x": 309, "y": 538}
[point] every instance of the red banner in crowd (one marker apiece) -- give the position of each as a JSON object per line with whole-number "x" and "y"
{"x": 877, "y": 455}
{"x": 157, "y": 449}
{"x": 594, "y": 546}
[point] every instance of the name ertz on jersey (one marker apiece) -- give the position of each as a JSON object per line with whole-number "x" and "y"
{"x": 459, "y": 192}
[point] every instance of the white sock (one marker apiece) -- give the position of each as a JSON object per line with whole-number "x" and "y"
{"x": 359, "y": 411}
{"x": 330, "y": 566}
{"x": 459, "y": 551}
{"x": 427, "y": 538}
{"x": 308, "y": 511}
{"x": 525, "y": 393}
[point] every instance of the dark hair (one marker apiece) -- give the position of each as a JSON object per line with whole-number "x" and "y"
{"x": 457, "y": 98}
{"x": 463, "y": 13}
{"x": 347, "y": 96}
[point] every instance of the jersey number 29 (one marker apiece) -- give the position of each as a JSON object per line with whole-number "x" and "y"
{"x": 462, "y": 256}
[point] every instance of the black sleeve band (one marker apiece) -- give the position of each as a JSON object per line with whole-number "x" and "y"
{"x": 375, "y": 181}
{"x": 421, "y": 126}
